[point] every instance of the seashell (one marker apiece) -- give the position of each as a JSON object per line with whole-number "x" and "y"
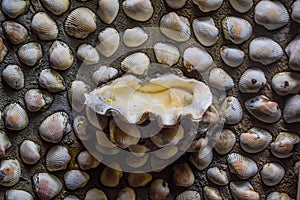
{"x": 10, "y": 171}
{"x": 51, "y": 80}
{"x": 205, "y": 29}
{"x": 57, "y": 158}
{"x": 207, "y": 6}
{"x": 217, "y": 176}
{"x": 242, "y": 6}
{"x": 4, "y": 143}
{"x": 80, "y": 128}
{"x": 168, "y": 136}
{"x": 272, "y": 173}
{"x": 255, "y": 140}
{"x": 232, "y": 56}
{"x": 17, "y": 194}
{"x": 278, "y": 196}
{"x": 285, "y": 83}
{"x": 71, "y": 197}
{"x": 183, "y": 175}
{"x": 139, "y": 10}
{"x": 188, "y": 195}
{"x": 87, "y": 54}
{"x": 87, "y": 161}
{"x": 176, "y": 4}
{"x": 110, "y": 176}
{"x": 54, "y": 127}
{"x": 15, "y": 32}
{"x": 3, "y": 50}
{"x": 166, "y": 53}
{"x": 159, "y": 189}
{"x": 242, "y": 190}
{"x": 30, "y": 152}
{"x": 292, "y": 50}
{"x": 225, "y": 142}
{"x": 233, "y": 110}
{"x": 134, "y": 37}
{"x": 220, "y": 79}
{"x": 15, "y": 117}
{"x": 198, "y": 59}
{"x": 44, "y": 26}
{"x": 263, "y": 109}
{"x": 252, "y": 80}
{"x": 137, "y": 63}
{"x": 126, "y": 193}
{"x": 283, "y": 145}
{"x": 13, "y": 76}
{"x": 167, "y": 152}
{"x": 296, "y": 11}
{"x": 95, "y": 194}
{"x": 14, "y": 8}
{"x": 241, "y": 165}
{"x": 80, "y": 23}
{"x": 271, "y": 14}
{"x": 57, "y": 7}
{"x": 60, "y": 56}
{"x": 37, "y": 100}
{"x": 108, "y": 10}
{"x": 47, "y": 186}
{"x": 109, "y": 41}
{"x": 237, "y": 30}
{"x": 175, "y": 27}
{"x": 202, "y": 159}
{"x": 211, "y": 193}
{"x": 76, "y": 91}
{"x": 104, "y": 74}
{"x": 136, "y": 180}
{"x": 291, "y": 112}
{"x": 75, "y": 179}
{"x": 30, "y": 53}
{"x": 265, "y": 50}
{"x": 99, "y": 122}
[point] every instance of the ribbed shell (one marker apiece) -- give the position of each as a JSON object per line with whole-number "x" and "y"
{"x": 57, "y": 7}
{"x": 109, "y": 41}
{"x": 252, "y": 80}
{"x": 15, "y": 117}
{"x": 37, "y": 100}
{"x": 285, "y": 83}
{"x": 104, "y": 74}
{"x": 30, "y": 152}
{"x": 207, "y": 6}
{"x": 87, "y": 161}
{"x": 18, "y": 194}
{"x": 242, "y": 6}
{"x": 4, "y": 143}
{"x": 243, "y": 190}
{"x": 237, "y": 30}
{"x": 283, "y": 145}
{"x": 176, "y": 4}
{"x": 296, "y": 11}
{"x": 15, "y": 32}
{"x": 139, "y": 10}
{"x": 241, "y": 165}
{"x": 108, "y": 10}
{"x": 205, "y": 31}
{"x": 220, "y": 79}
{"x": 60, "y": 56}
{"x": 134, "y": 37}
{"x": 272, "y": 173}
{"x": 197, "y": 59}
{"x": 189, "y": 195}
{"x": 76, "y": 179}
{"x": 13, "y": 76}
{"x": 292, "y": 50}
{"x": 87, "y": 54}
{"x": 30, "y": 53}
{"x": 57, "y": 158}
{"x": 291, "y": 112}
{"x": 217, "y": 176}
{"x": 44, "y": 26}
{"x": 46, "y": 186}
{"x": 225, "y": 142}
{"x": 137, "y": 63}
{"x": 10, "y": 171}
{"x": 166, "y": 53}
{"x": 233, "y": 110}
{"x": 51, "y": 80}
{"x": 232, "y": 56}
{"x": 76, "y": 92}
{"x": 14, "y": 8}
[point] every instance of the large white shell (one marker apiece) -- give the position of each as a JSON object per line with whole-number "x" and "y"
{"x": 51, "y": 80}
{"x": 220, "y": 79}
{"x": 252, "y": 80}
{"x": 225, "y": 142}
{"x": 166, "y": 53}
{"x": 15, "y": 117}
{"x": 30, "y": 152}
{"x": 241, "y": 165}
{"x": 57, "y": 7}
{"x": 291, "y": 111}
{"x": 176, "y": 4}
{"x": 139, "y": 10}
{"x": 47, "y": 186}
{"x": 137, "y": 63}
{"x": 207, "y": 6}
{"x": 134, "y": 37}
{"x": 57, "y": 158}
{"x": 10, "y": 171}
{"x": 44, "y": 26}
{"x": 108, "y": 10}
{"x": 14, "y": 76}
{"x": 76, "y": 179}
{"x": 30, "y": 53}
{"x": 241, "y": 6}
{"x": 60, "y": 56}
{"x": 237, "y": 30}
{"x": 205, "y": 31}
{"x": 296, "y": 11}
{"x": 14, "y": 8}
{"x": 242, "y": 190}
{"x": 233, "y": 110}
{"x": 198, "y": 59}
{"x": 232, "y": 56}
{"x": 104, "y": 74}
{"x": 109, "y": 40}
{"x": 272, "y": 173}
{"x": 4, "y": 143}
{"x": 285, "y": 83}
{"x": 87, "y": 54}
{"x": 283, "y": 145}
{"x": 217, "y": 176}
{"x": 292, "y": 51}
{"x": 18, "y": 194}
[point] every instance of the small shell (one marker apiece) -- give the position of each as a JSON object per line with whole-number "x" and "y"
{"x": 205, "y": 30}
{"x": 237, "y": 30}
{"x": 175, "y": 27}
{"x": 242, "y": 190}
{"x": 134, "y": 37}
{"x": 109, "y": 41}
{"x": 87, "y": 54}
{"x": 232, "y": 56}
{"x": 292, "y": 50}
{"x": 44, "y": 26}
{"x": 80, "y": 23}
{"x": 57, "y": 7}
{"x": 265, "y": 50}
{"x": 271, "y": 14}
{"x": 54, "y": 127}
{"x": 233, "y": 110}
{"x": 283, "y": 145}
{"x": 37, "y": 100}
{"x": 168, "y": 136}
{"x": 71, "y": 197}
{"x": 57, "y": 158}
{"x": 242, "y": 6}
{"x": 176, "y": 4}
{"x": 278, "y": 196}
{"x": 211, "y": 193}
{"x": 30, "y": 53}
{"x": 4, "y": 143}
{"x": 3, "y": 50}
{"x": 136, "y": 180}
{"x": 47, "y": 186}
{"x": 183, "y": 175}
{"x": 296, "y": 11}
{"x": 108, "y": 10}
{"x": 137, "y": 63}
{"x": 198, "y": 59}
{"x": 126, "y": 193}
{"x": 159, "y": 190}
{"x": 291, "y": 112}
{"x": 15, "y": 32}
{"x": 255, "y": 140}
{"x": 202, "y": 159}
{"x": 263, "y": 109}
{"x": 220, "y": 79}
{"x": 225, "y": 142}
{"x": 76, "y": 91}
{"x": 51, "y": 80}
{"x": 272, "y": 173}
{"x": 285, "y": 83}
{"x": 13, "y": 76}
{"x": 15, "y": 117}
{"x": 166, "y": 53}
{"x": 252, "y": 80}
{"x": 241, "y": 165}
{"x": 80, "y": 126}
{"x": 17, "y": 194}
{"x": 30, "y": 152}
{"x": 188, "y": 195}
{"x": 76, "y": 179}
{"x": 87, "y": 161}
{"x": 95, "y": 194}
{"x": 139, "y": 10}
{"x": 14, "y": 8}
{"x": 60, "y": 56}
{"x": 207, "y": 6}
{"x": 104, "y": 74}
{"x": 110, "y": 177}
{"x": 10, "y": 171}
{"x": 217, "y": 176}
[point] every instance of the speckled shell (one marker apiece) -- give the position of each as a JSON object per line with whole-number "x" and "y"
{"x": 136, "y": 180}
{"x": 15, "y": 117}
{"x": 217, "y": 176}
{"x": 46, "y": 186}
{"x": 17, "y": 194}
{"x": 15, "y": 32}
{"x": 14, "y": 77}
{"x": 87, "y": 54}
{"x": 291, "y": 112}
{"x": 104, "y": 74}
{"x": 211, "y": 193}
{"x": 252, "y": 80}
{"x": 10, "y": 171}
{"x": 57, "y": 7}
{"x": 232, "y": 56}
{"x": 60, "y": 56}
{"x": 205, "y": 31}
{"x": 30, "y": 152}
{"x": 237, "y": 30}
{"x": 220, "y": 79}
{"x": 176, "y": 4}
{"x": 14, "y": 8}
{"x": 197, "y": 59}
{"x": 76, "y": 91}
{"x": 292, "y": 50}
{"x": 242, "y": 6}
{"x": 57, "y": 158}
{"x": 51, "y": 80}
{"x": 285, "y": 83}
{"x": 4, "y": 143}
{"x": 137, "y": 63}
{"x": 139, "y": 10}
{"x": 30, "y": 53}
{"x": 225, "y": 142}
{"x": 207, "y": 6}
{"x": 241, "y": 165}
{"x": 166, "y": 53}
{"x": 283, "y": 145}
{"x": 159, "y": 189}
{"x": 95, "y": 193}
{"x": 233, "y": 110}
{"x": 242, "y": 190}
{"x": 188, "y": 195}
{"x": 76, "y": 179}
{"x": 272, "y": 173}
{"x": 44, "y": 26}
{"x": 108, "y": 10}
{"x": 278, "y": 196}
{"x": 183, "y": 175}
{"x": 296, "y": 11}
{"x": 87, "y": 161}
{"x": 109, "y": 41}
{"x": 37, "y": 100}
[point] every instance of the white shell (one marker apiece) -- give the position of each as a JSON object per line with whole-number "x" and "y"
{"x": 188, "y": 195}
{"x": 205, "y": 31}
{"x": 237, "y": 30}
{"x": 4, "y": 143}
{"x": 44, "y": 26}
{"x": 108, "y": 10}
{"x": 13, "y": 76}
{"x": 137, "y": 63}
{"x": 139, "y": 10}
{"x": 87, "y": 54}
{"x": 233, "y": 110}
{"x": 211, "y": 193}
{"x": 76, "y": 179}
{"x": 47, "y": 186}
{"x": 271, "y": 14}
{"x": 202, "y": 159}
{"x": 134, "y": 37}
{"x": 220, "y": 79}
{"x": 109, "y": 41}
{"x": 76, "y": 91}
{"x": 243, "y": 190}
{"x": 278, "y": 196}
{"x": 17, "y": 194}
{"x": 51, "y": 80}
{"x": 291, "y": 111}
{"x": 217, "y": 176}
{"x": 252, "y": 80}
{"x": 30, "y": 53}
{"x": 57, "y": 7}
{"x": 10, "y": 171}
{"x": 232, "y": 56}
{"x": 104, "y": 74}
{"x": 241, "y": 165}
{"x": 225, "y": 142}
{"x": 285, "y": 83}
{"x": 265, "y": 50}
{"x": 15, "y": 117}
{"x": 166, "y": 53}
{"x": 292, "y": 50}
{"x": 197, "y": 59}
{"x": 176, "y": 4}
{"x": 57, "y": 158}
{"x": 3, "y": 50}
{"x": 242, "y": 6}
{"x": 60, "y": 56}
{"x": 207, "y": 6}
{"x": 16, "y": 33}
{"x": 272, "y": 173}
{"x": 87, "y": 161}
{"x": 30, "y": 152}
{"x": 296, "y": 11}
{"x": 14, "y": 8}
{"x": 37, "y": 100}
{"x": 283, "y": 145}
{"x": 95, "y": 194}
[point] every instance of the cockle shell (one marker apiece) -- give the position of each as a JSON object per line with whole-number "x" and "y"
{"x": 104, "y": 74}
{"x": 15, "y": 32}
{"x": 80, "y": 126}
{"x": 225, "y": 142}
{"x": 30, "y": 152}
{"x": 134, "y": 37}
{"x": 10, "y": 171}
{"x": 51, "y": 80}
{"x": 57, "y": 158}
{"x": 233, "y": 110}
{"x": 80, "y": 23}
{"x": 15, "y": 117}
{"x": 109, "y": 41}
{"x": 220, "y": 79}
{"x": 271, "y": 14}
{"x": 168, "y": 136}
{"x": 95, "y": 193}
{"x": 202, "y": 159}
{"x": 108, "y": 10}
{"x": 241, "y": 165}
{"x": 57, "y": 7}
{"x": 272, "y": 173}
{"x": 278, "y": 196}
{"x": 17, "y": 194}
{"x": 3, "y": 50}
{"x": 232, "y": 56}
{"x": 205, "y": 31}
{"x": 188, "y": 195}
{"x": 30, "y": 53}
{"x": 137, "y": 63}
{"x": 175, "y": 27}
{"x": 217, "y": 176}
{"x": 87, "y": 54}
{"x": 296, "y": 11}
{"x": 285, "y": 83}
{"x": 136, "y": 180}
{"x": 263, "y": 109}
{"x": 37, "y": 100}
{"x": 242, "y": 6}
{"x": 139, "y": 10}
{"x": 176, "y": 4}
{"x": 4, "y": 143}
{"x": 44, "y": 26}
{"x": 198, "y": 59}
{"x": 14, "y": 8}
{"x": 76, "y": 179}
{"x": 207, "y": 6}
{"x": 183, "y": 175}
{"x": 13, "y": 76}
{"x": 291, "y": 112}
{"x": 76, "y": 91}
{"x": 265, "y": 50}
{"x": 60, "y": 56}
{"x": 237, "y": 30}
{"x": 283, "y": 145}
{"x": 211, "y": 193}
{"x": 110, "y": 177}
{"x": 252, "y": 80}
{"x": 159, "y": 189}
{"x": 87, "y": 161}
{"x": 242, "y": 190}
{"x": 166, "y": 53}
{"x": 292, "y": 50}
{"x": 126, "y": 194}
{"x": 47, "y": 186}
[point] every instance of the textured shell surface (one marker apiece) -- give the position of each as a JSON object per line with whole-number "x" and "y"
{"x": 291, "y": 111}
{"x": 30, "y": 53}
{"x": 207, "y": 6}
{"x": 44, "y": 26}
{"x": 296, "y": 11}
{"x": 76, "y": 179}
{"x": 183, "y": 175}
{"x": 57, "y": 158}
{"x": 104, "y": 74}
{"x": 237, "y": 30}
{"x": 87, "y": 54}
{"x": 95, "y": 193}
{"x": 14, "y": 8}
{"x": 134, "y": 37}
{"x": 139, "y": 10}
{"x": 4, "y": 143}
{"x": 57, "y": 7}
{"x": 252, "y": 80}
{"x": 159, "y": 189}
{"x": 76, "y": 91}
{"x": 110, "y": 177}
{"x": 198, "y": 59}
{"x": 202, "y": 159}
{"x": 46, "y": 186}
{"x": 10, "y": 171}
{"x": 242, "y": 6}
{"x": 87, "y": 161}
{"x": 205, "y": 31}
{"x": 284, "y": 83}
{"x": 15, "y": 117}
{"x": 126, "y": 193}
{"x": 137, "y": 63}
{"x": 241, "y": 165}
{"x": 242, "y": 190}
{"x": 217, "y": 176}
{"x": 292, "y": 51}
{"x": 272, "y": 173}
{"x": 37, "y": 100}
{"x": 17, "y": 194}
{"x": 233, "y": 110}
{"x": 80, "y": 127}
{"x": 176, "y": 4}
{"x": 211, "y": 193}
{"x": 109, "y": 41}
{"x": 166, "y": 53}
{"x": 15, "y": 32}
{"x": 283, "y": 145}
{"x": 60, "y": 56}
{"x": 188, "y": 195}
{"x": 3, "y": 50}
{"x": 136, "y": 180}
{"x": 220, "y": 79}
{"x": 30, "y": 152}
{"x": 225, "y": 142}
{"x": 108, "y": 10}
{"x": 51, "y": 80}
{"x": 14, "y": 76}
{"x": 232, "y": 56}
{"x": 278, "y": 196}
